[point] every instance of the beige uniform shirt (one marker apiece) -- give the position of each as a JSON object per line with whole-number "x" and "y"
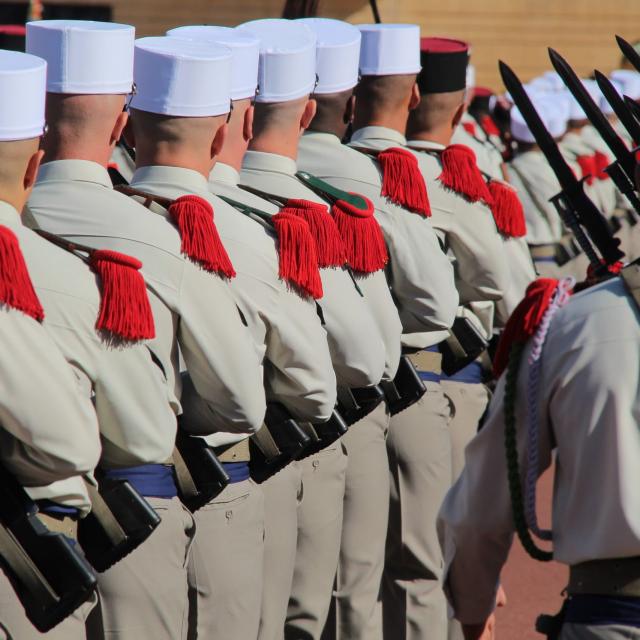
{"x": 419, "y": 273}
{"x": 536, "y": 183}
{"x": 137, "y": 423}
{"x": 356, "y": 345}
{"x": 488, "y": 157}
{"x": 192, "y": 308}
{"x": 289, "y": 340}
{"x": 49, "y": 427}
{"x": 589, "y": 402}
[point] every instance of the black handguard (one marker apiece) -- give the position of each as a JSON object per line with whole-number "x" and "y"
{"x": 49, "y": 575}
{"x": 462, "y": 347}
{"x": 356, "y": 404}
{"x": 119, "y": 522}
{"x": 279, "y": 442}
{"x": 405, "y": 389}
{"x": 200, "y": 476}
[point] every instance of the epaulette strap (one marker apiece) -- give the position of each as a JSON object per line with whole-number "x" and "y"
{"x": 460, "y": 174}
{"x": 194, "y": 217}
{"x": 16, "y": 288}
{"x": 125, "y": 310}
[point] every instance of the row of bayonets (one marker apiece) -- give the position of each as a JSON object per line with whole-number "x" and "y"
{"x": 576, "y": 209}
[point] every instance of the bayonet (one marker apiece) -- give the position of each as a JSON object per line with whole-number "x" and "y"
{"x": 629, "y": 52}
{"x": 634, "y": 107}
{"x": 622, "y": 111}
{"x": 578, "y": 209}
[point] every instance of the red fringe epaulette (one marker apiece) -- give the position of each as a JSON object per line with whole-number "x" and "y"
{"x": 460, "y": 173}
{"x": 507, "y": 209}
{"x": 402, "y": 180}
{"x": 587, "y": 167}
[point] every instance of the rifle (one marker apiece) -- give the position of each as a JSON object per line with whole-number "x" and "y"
{"x": 49, "y": 575}
{"x": 575, "y": 208}
{"x": 622, "y": 171}
{"x": 622, "y": 111}
{"x": 629, "y": 52}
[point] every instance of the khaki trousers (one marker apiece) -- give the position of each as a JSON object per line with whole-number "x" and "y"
{"x": 282, "y": 494}
{"x": 468, "y": 404}
{"x": 364, "y": 531}
{"x": 225, "y": 569}
{"x": 14, "y": 624}
{"x": 419, "y": 447}
{"x": 318, "y": 547}
{"x": 603, "y": 632}
{"x": 144, "y": 596}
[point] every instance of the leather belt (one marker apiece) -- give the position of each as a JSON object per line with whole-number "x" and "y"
{"x": 542, "y": 251}
{"x": 613, "y": 577}
{"x": 238, "y": 452}
{"x": 59, "y": 524}
{"x": 428, "y": 361}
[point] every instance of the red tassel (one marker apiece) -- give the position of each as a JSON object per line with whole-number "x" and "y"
{"x": 298, "y": 259}
{"x": 588, "y": 168}
{"x": 365, "y": 246}
{"x": 601, "y": 162}
{"x": 489, "y": 126}
{"x": 402, "y": 180}
{"x": 200, "y": 240}
{"x": 16, "y": 288}
{"x": 329, "y": 246}
{"x": 470, "y": 128}
{"x": 460, "y": 173}
{"x": 524, "y": 320}
{"x": 125, "y": 310}
{"x": 507, "y": 210}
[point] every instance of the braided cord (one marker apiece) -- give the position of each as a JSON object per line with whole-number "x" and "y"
{"x": 560, "y": 298}
{"x": 513, "y": 470}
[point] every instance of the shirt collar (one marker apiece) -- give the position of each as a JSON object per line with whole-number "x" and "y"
{"x": 426, "y": 145}
{"x": 80, "y": 170}
{"x": 328, "y": 138}
{"x": 188, "y": 179}
{"x": 9, "y": 217}
{"x": 224, "y": 173}
{"x": 378, "y": 133}
{"x": 261, "y": 161}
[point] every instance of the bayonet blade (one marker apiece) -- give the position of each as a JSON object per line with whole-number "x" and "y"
{"x": 629, "y": 52}
{"x": 634, "y": 107}
{"x": 622, "y": 111}
{"x": 595, "y": 116}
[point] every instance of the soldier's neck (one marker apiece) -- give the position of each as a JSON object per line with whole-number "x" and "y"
{"x": 53, "y": 151}
{"x": 397, "y": 121}
{"x": 282, "y": 144}
{"x": 438, "y": 136}
{"x": 159, "y": 157}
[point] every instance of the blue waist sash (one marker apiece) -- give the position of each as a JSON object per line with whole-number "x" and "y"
{"x": 603, "y": 610}
{"x": 430, "y": 376}
{"x": 238, "y": 471}
{"x": 48, "y": 506}
{"x": 149, "y": 480}
{"x": 471, "y": 374}
{"x": 544, "y": 259}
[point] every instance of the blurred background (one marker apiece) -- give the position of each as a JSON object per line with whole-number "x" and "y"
{"x": 517, "y": 31}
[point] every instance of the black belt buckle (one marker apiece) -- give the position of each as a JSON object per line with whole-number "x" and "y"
{"x": 406, "y": 388}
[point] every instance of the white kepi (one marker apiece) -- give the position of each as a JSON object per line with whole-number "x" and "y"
{"x": 389, "y": 49}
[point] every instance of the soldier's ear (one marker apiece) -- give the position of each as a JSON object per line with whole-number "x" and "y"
{"x": 414, "y": 101}
{"x": 247, "y": 126}
{"x": 218, "y": 140}
{"x": 308, "y": 114}
{"x": 118, "y": 127}
{"x": 31, "y": 172}
{"x": 349, "y": 110}
{"x": 128, "y": 135}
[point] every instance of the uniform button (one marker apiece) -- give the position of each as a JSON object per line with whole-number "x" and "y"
{"x": 315, "y": 464}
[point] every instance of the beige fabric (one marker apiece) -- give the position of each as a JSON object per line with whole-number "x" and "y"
{"x": 318, "y": 545}
{"x": 356, "y": 345}
{"x": 137, "y": 423}
{"x": 30, "y": 363}
{"x": 225, "y": 570}
{"x": 223, "y": 181}
{"x": 192, "y": 308}
{"x": 467, "y": 230}
{"x": 14, "y": 624}
{"x": 600, "y": 632}
{"x": 144, "y": 596}
{"x": 419, "y": 447}
{"x": 282, "y": 494}
{"x": 468, "y": 404}
{"x": 488, "y": 157}
{"x": 420, "y": 274}
{"x": 589, "y": 400}
{"x": 364, "y": 530}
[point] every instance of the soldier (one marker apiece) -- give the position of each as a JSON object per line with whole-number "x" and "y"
{"x": 563, "y": 395}
{"x": 49, "y": 426}
{"x": 283, "y": 110}
{"x": 421, "y": 279}
{"x": 192, "y": 306}
{"x": 285, "y": 326}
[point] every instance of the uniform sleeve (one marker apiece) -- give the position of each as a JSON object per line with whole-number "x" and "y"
{"x": 471, "y": 235}
{"x": 219, "y": 353}
{"x": 475, "y": 521}
{"x": 355, "y": 344}
{"x": 49, "y": 428}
